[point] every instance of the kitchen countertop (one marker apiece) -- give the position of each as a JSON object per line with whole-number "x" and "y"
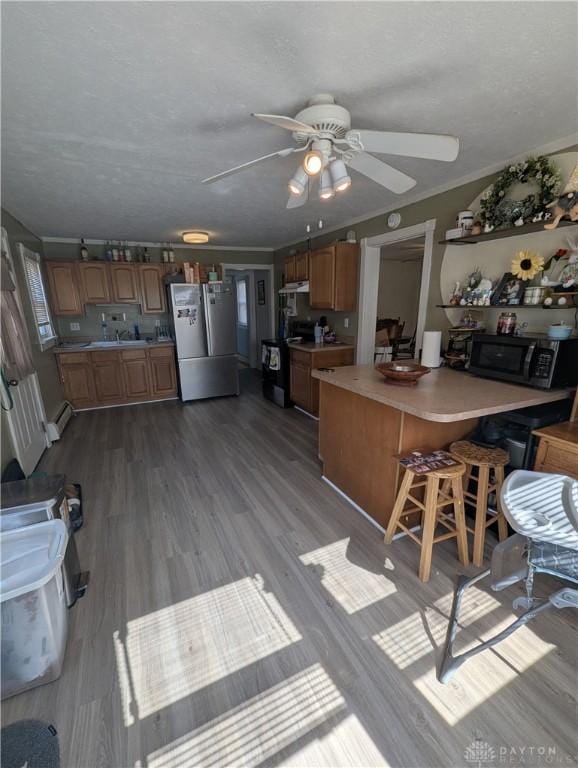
{"x": 442, "y": 395}
{"x": 84, "y": 346}
{"x": 310, "y": 346}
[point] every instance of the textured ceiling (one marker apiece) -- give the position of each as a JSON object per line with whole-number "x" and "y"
{"x": 113, "y": 112}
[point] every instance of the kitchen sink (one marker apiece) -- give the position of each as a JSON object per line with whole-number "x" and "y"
{"x": 105, "y": 344}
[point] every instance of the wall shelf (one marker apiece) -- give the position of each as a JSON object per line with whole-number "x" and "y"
{"x": 503, "y": 307}
{"x": 500, "y": 234}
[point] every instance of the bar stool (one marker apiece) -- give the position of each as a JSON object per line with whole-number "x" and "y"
{"x": 432, "y": 513}
{"x": 486, "y": 460}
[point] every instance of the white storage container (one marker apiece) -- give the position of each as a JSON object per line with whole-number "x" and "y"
{"x": 34, "y": 612}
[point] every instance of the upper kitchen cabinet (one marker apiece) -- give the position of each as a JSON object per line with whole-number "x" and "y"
{"x": 333, "y": 277}
{"x": 152, "y": 288}
{"x": 289, "y": 269}
{"x": 302, "y": 266}
{"x": 64, "y": 288}
{"x": 125, "y": 283}
{"x": 94, "y": 282}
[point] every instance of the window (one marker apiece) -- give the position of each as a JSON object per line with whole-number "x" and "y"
{"x": 242, "y": 302}
{"x": 37, "y": 296}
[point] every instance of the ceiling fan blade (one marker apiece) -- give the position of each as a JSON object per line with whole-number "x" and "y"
{"x": 286, "y": 122}
{"x": 243, "y": 166}
{"x": 381, "y": 172}
{"x": 296, "y": 201}
{"x": 430, "y": 146}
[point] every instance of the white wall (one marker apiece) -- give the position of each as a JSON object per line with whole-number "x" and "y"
{"x": 398, "y": 292}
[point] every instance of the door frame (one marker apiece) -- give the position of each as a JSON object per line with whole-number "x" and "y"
{"x": 272, "y": 308}
{"x": 369, "y": 284}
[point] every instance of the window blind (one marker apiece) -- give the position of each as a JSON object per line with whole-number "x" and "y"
{"x": 37, "y": 296}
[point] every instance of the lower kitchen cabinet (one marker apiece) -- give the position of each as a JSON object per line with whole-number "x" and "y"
{"x": 77, "y": 379}
{"x": 135, "y": 369}
{"x": 117, "y": 377}
{"x": 304, "y": 389}
{"x": 163, "y": 373}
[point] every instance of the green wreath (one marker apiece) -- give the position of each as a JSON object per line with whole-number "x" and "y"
{"x": 497, "y": 211}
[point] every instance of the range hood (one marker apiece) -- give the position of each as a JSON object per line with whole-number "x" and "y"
{"x": 300, "y": 287}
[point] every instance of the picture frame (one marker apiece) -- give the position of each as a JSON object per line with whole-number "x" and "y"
{"x": 509, "y": 291}
{"x": 261, "y": 292}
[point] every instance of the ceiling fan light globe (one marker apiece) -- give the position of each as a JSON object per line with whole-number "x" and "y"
{"x": 339, "y": 176}
{"x": 326, "y": 186}
{"x": 313, "y": 163}
{"x": 298, "y": 183}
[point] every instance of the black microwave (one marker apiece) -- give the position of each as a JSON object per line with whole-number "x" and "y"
{"x": 536, "y": 361}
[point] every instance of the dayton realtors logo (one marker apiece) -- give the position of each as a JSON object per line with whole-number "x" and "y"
{"x": 480, "y": 754}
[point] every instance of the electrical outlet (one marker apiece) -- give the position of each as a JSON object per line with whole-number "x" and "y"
{"x": 346, "y": 323}
{"x": 74, "y": 326}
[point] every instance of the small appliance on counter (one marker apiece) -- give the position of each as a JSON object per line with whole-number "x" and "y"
{"x": 203, "y": 323}
{"x": 534, "y": 360}
{"x": 35, "y": 500}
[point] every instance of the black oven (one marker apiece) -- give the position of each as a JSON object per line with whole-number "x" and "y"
{"x": 536, "y": 361}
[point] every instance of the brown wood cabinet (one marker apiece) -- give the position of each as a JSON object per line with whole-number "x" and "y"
{"x": 135, "y": 369}
{"x": 152, "y": 288}
{"x": 289, "y": 269}
{"x": 125, "y": 283}
{"x": 333, "y": 277}
{"x": 304, "y": 389}
{"x": 77, "y": 379}
{"x": 94, "y": 282}
{"x": 108, "y": 381}
{"x": 558, "y": 449}
{"x": 163, "y": 373}
{"x": 65, "y": 298}
{"x": 302, "y": 266}
{"x": 119, "y": 376}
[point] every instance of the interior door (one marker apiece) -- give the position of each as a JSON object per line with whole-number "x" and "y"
{"x": 23, "y": 403}
{"x": 219, "y": 304}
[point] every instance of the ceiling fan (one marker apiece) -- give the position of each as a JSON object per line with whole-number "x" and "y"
{"x": 323, "y": 132}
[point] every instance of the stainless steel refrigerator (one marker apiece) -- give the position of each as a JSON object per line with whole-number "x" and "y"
{"x": 203, "y": 320}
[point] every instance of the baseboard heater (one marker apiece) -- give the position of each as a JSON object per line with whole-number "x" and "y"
{"x": 54, "y": 429}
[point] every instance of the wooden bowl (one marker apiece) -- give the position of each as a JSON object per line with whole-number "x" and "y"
{"x": 401, "y": 373}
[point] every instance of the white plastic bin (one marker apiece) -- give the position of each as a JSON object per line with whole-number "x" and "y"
{"x": 34, "y": 612}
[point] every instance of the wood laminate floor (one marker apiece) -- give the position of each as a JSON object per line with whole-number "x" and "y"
{"x": 240, "y": 613}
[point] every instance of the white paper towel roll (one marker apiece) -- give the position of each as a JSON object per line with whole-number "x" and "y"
{"x": 430, "y": 353}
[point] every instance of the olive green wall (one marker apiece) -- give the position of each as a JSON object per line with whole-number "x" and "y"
{"x": 45, "y": 362}
{"x": 442, "y": 207}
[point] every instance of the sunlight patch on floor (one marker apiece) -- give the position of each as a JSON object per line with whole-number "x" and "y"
{"x": 184, "y": 647}
{"x": 352, "y": 586}
{"x": 260, "y": 727}
{"x": 483, "y": 676}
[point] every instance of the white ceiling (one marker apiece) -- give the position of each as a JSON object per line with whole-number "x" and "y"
{"x": 113, "y": 112}
{"x": 404, "y": 250}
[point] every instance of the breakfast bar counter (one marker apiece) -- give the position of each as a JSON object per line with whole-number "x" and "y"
{"x": 364, "y": 423}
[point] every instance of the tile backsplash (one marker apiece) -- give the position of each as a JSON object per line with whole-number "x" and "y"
{"x": 90, "y": 323}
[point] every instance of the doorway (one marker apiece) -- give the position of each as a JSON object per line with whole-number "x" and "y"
{"x": 371, "y": 252}
{"x": 255, "y": 309}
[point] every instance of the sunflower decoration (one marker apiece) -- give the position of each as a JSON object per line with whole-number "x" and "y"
{"x": 526, "y": 265}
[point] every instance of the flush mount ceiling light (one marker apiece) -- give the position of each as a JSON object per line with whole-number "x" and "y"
{"x": 298, "y": 184}
{"x": 339, "y": 176}
{"x": 196, "y": 238}
{"x": 326, "y": 186}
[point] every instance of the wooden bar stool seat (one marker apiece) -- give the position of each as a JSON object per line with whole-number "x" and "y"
{"x": 433, "y": 512}
{"x": 488, "y": 462}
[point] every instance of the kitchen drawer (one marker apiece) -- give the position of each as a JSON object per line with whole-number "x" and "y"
{"x": 301, "y": 357}
{"x": 73, "y": 358}
{"x": 161, "y": 352}
{"x": 330, "y": 358}
{"x": 133, "y": 354}
{"x": 557, "y": 459}
{"x": 110, "y": 356}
